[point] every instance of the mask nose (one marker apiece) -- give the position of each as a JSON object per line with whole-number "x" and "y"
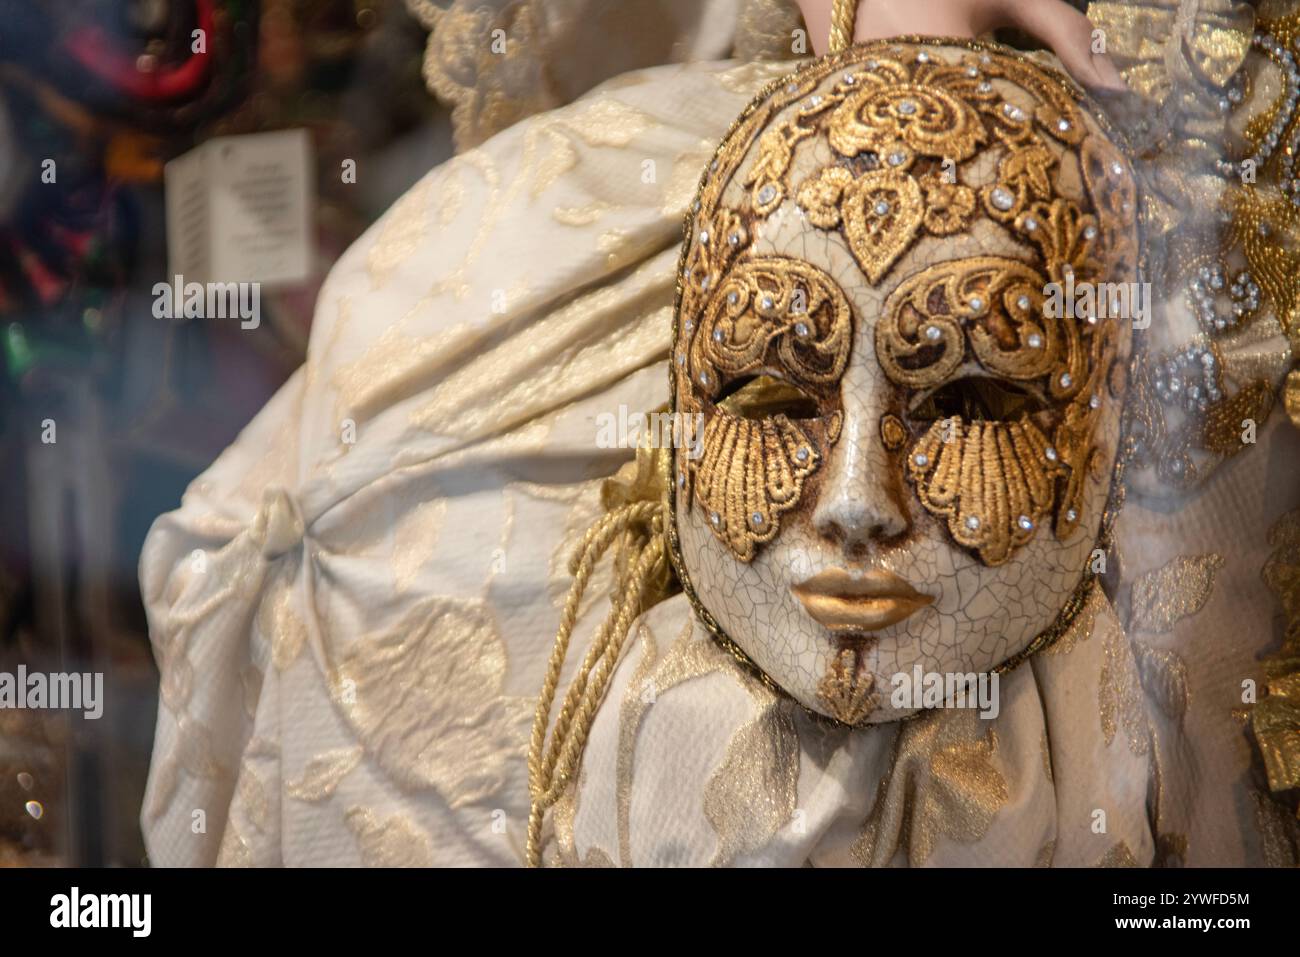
{"x": 860, "y": 501}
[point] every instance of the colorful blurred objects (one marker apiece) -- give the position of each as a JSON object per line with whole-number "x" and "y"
{"x": 95, "y": 97}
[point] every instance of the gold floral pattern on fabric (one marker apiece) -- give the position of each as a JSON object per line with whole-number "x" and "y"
{"x": 1216, "y": 112}
{"x": 1164, "y": 676}
{"x": 248, "y": 839}
{"x": 641, "y": 692}
{"x": 944, "y": 783}
{"x": 395, "y": 688}
{"x": 400, "y": 234}
{"x": 1156, "y": 602}
{"x": 281, "y": 626}
{"x": 1164, "y": 436}
{"x": 497, "y": 62}
{"x": 1279, "y": 831}
{"x": 753, "y": 792}
{"x": 235, "y": 851}
{"x": 561, "y": 853}
{"x": 1120, "y": 702}
{"x": 1178, "y": 589}
{"x": 391, "y": 841}
{"x": 1119, "y": 856}
{"x": 1045, "y": 855}
{"x": 323, "y": 774}
{"x": 765, "y": 28}
{"x": 1275, "y": 719}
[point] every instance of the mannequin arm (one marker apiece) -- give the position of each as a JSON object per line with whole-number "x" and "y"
{"x": 1059, "y": 25}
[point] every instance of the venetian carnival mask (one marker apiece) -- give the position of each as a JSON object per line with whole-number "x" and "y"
{"x": 909, "y": 426}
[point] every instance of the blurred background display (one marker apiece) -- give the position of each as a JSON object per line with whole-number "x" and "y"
{"x": 96, "y": 96}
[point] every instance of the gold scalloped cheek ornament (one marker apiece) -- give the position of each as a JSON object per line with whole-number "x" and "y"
{"x": 897, "y": 325}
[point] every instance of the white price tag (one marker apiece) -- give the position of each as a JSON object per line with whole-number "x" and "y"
{"x": 239, "y": 209}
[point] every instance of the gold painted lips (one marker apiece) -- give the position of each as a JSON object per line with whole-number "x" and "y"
{"x": 864, "y": 601}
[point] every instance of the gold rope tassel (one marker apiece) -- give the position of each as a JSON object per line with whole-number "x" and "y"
{"x": 844, "y": 14}
{"x": 640, "y": 526}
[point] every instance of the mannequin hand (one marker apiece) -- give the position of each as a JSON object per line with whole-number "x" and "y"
{"x": 1057, "y": 24}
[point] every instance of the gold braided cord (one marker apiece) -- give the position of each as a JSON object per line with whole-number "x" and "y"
{"x": 639, "y": 528}
{"x": 843, "y": 16}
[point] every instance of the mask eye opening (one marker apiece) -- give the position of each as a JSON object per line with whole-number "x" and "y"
{"x": 763, "y": 396}
{"x": 978, "y": 398}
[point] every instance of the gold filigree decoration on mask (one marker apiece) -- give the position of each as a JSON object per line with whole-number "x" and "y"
{"x": 1075, "y": 437}
{"x": 848, "y": 691}
{"x": 772, "y": 311}
{"x": 927, "y": 112}
{"x": 992, "y": 481}
{"x": 992, "y": 303}
{"x": 882, "y": 114}
{"x": 995, "y": 482}
{"x": 911, "y": 125}
{"x": 948, "y": 206}
{"x": 750, "y": 473}
{"x": 718, "y": 241}
{"x": 766, "y": 179}
{"x": 1110, "y": 184}
{"x": 766, "y": 314}
{"x": 889, "y": 110}
{"x": 892, "y": 432}
{"x": 881, "y": 212}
